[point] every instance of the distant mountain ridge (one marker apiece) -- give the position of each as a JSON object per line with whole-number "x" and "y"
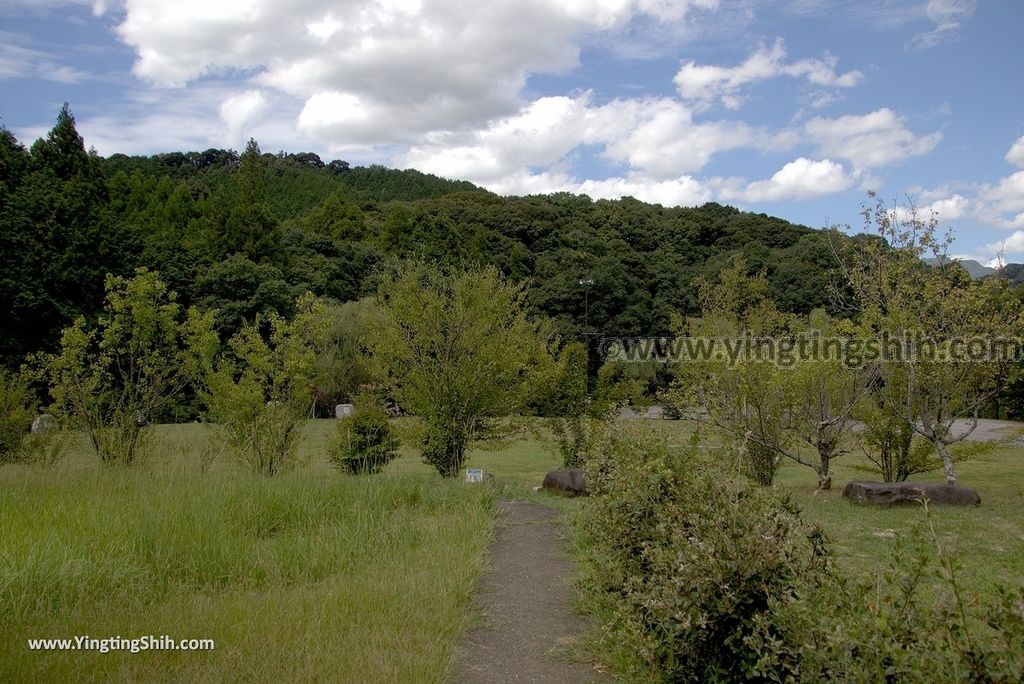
{"x": 974, "y": 268}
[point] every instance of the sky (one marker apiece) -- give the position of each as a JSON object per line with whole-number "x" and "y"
{"x": 794, "y": 108}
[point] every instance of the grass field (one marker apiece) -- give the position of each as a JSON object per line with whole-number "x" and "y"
{"x": 314, "y": 575}
{"x": 311, "y": 576}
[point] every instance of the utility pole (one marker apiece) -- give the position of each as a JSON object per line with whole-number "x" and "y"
{"x": 586, "y": 283}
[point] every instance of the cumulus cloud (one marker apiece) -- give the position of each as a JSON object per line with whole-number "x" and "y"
{"x": 1016, "y": 154}
{"x": 871, "y": 140}
{"x": 1011, "y": 245}
{"x": 239, "y": 110}
{"x": 948, "y": 209}
{"x": 684, "y": 191}
{"x": 1002, "y": 203}
{"x": 801, "y": 178}
{"x": 662, "y": 139}
{"x": 941, "y": 206}
{"x": 946, "y": 16}
{"x": 656, "y": 138}
{"x": 709, "y": 83}
{"x": 378, "y": 71}
{"x": 211, "y": 114}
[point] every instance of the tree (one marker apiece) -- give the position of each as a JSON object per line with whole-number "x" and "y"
{"x": 57, "y": 242}
{"x": 571, "y": 407}
{"x": 111, "y": 379}
{"x": 936, "y": 314}
{"x": 16, "y": 414}
{"x": 260, "y": 389}
{"x": 343, "y": 365}
{"x": 888, "y": 439}
{"x": 456, "y": 346}
{"x": 746, "y": 398}
{"x": 823, "y": 394}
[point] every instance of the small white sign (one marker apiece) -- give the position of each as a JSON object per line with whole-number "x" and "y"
{"x": 474, "y": 475}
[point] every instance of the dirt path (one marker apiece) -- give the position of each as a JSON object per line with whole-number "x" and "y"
{"x": 528, "y": 623}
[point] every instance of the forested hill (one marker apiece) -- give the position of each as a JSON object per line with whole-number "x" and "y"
{"x": 247, "y": 233}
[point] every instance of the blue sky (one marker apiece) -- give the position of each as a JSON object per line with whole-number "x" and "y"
{"x": 794, "y": 108}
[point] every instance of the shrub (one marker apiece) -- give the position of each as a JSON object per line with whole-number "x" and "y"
{"x": 15, "y": 415}
{"x": 363, "y": 442}
{"x": 699, "y": 578}
{"x": 690, "y": 566}
{"x": 855, "y": 630}
{"x": 18, "y": 407}
{"x": 111, "y": 379}
{"x": 262, "y": 387}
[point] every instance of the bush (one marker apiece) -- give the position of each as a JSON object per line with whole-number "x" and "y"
{"x": 699, "y": 578}
{"x": 18, "y": 407}
{"x": 15, "y": 416}
{"x": 363, "y": 442}
{"x": 260, "y": 392}
{"x": 111, "y": 378}
{"x": 688, "y": 566}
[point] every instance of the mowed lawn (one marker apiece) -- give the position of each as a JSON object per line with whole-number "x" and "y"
{"x": 315, "y": 575}
{"x": 988, "y": 540}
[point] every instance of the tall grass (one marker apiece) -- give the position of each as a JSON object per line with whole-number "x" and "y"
{"x": 301, "y": 577}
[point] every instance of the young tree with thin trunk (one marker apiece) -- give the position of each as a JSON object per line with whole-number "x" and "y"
{"x": 907, "y": 289}
{"x": 457, "y": 348}
{"x": 112, "y": 378}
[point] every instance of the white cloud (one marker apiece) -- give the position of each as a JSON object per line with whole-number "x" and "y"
{"x": 662, "y": 140}
{"x": 876, "y": 139}
{"x": 1013, "y": 244}
{"x": 655, "y": 137}
{"x": 239, "y": 110}
{"x": 21, "y": 62}
{"x": 710, "y": 83}
{"x": 948, "y": 209}
{"x": 801, "y": 178}
{"x": 378, "y": 72}
{"x": 684, "y": 191}
{"x": 941, "y": 206}
{"x": 1002, "y": 203}
{"x": 1016, "y": 154}
{"x": 946, "y": 16}
{"x": 151, "y": 121}
{"x": 540, "y": 134}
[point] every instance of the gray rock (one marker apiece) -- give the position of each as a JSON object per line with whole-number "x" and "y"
{"x": 567, "y": 480}
{"x": 343, "y": 410}
{"x": 44, "y": 423}
{"x": 895, "y": 493}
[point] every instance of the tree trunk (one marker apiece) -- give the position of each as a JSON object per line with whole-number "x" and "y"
{"x": 947, "y": 461}
{"x": 824, "y": 461}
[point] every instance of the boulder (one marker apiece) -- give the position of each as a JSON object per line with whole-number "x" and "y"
{"x": 894, "y": 493}
{"x": 44, "y": 423}
{"x": 566, "y": 480}
{"x": 343, "y": 410}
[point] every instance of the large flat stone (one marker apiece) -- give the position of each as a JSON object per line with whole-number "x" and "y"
{"x": 895, "y": 493}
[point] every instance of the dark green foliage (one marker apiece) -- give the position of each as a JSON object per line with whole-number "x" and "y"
{"x": 698, "y": 578}
{"x": 247, "y": 233}
{"x": 57, "y": 238}
{"x": 678, "y": 562}
{"x": 16, "y": 415}
{"x": 363, "y": 442}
